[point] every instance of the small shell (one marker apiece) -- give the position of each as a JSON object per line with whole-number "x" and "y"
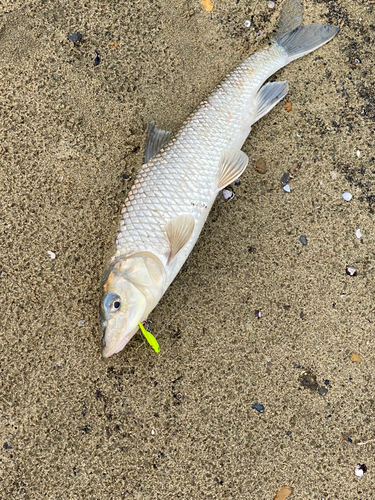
{"x": 360, "y": 470}
{"x": 347, "y": 196}
{"x": 351, "y": 271}
{"x": 227, "y": 194}
{"x": 287, "y": 188}
{"x": 247, "y": 23}
{"x": 51, "y": 254}
{"x": 358, "y": 233}
{"x": 271, "y": 5}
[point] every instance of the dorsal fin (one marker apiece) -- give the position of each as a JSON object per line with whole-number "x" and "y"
{"x": 179, "y": 231}
{"x": 232, "y": 165}
{"x": 156, "y": 139}
{"x": 268, "y": 96}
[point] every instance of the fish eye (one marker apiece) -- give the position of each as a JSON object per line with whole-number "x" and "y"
{"x": 112, "y": 302}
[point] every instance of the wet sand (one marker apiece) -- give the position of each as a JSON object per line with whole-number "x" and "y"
{"x": 184, "y": 423}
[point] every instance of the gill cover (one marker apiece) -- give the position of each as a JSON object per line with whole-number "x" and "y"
{"x": 131, "y": 288}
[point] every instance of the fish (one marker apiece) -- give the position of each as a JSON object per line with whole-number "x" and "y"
{"x": 181, "y": 176}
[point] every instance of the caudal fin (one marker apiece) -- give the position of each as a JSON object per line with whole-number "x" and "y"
{"x": 299, "y": 41}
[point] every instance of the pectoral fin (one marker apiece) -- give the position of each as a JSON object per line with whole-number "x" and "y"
{"x": 179, "y": 231}
{"x": 268, "y": 96}
{"x": 232, "y": 165}
{"x": 155, "y": 141}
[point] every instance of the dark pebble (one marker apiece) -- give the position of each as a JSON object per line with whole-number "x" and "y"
{"x": 258, "y": 407}
{"x": 326, "y": 382}
{"x": 97, "y": 59}
{"x": 285, "y": 178}
{"x": 308, "y": 379}
{"x": 322, "y": 390}
{"x": 74, "y": 37}
{"x": 303, "y": 240}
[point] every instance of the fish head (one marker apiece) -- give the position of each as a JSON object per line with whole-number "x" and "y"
{"x": 131, "y": 288}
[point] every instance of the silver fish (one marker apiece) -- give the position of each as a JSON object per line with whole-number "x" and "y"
{"x": 173, "y": 193}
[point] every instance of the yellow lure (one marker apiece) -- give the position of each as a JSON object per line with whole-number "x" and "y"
{"x": 150, "y": 338}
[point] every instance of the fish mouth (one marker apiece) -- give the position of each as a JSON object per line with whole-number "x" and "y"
{"x": 109, "y": 350}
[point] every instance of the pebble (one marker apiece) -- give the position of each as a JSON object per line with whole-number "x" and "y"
{"x": 51, "y": 254}
{"x": 347, "y": 196}
{"x": 247, "y": 23}
{"x": 258, "y": 314}
{"x": 358, "y": 233}
{"x": 355, "y": 358}
{"x": 271, "y": 5}
{"x": 285, "y": 178}
{"x": 227, "y": 194}
{"x": 322, "y": 391}
{"x": 258, "y": 407}
{"x": 358, "y": 153}
{"x": 74, "y": 37}
{"x": 303, "y": 240}
{"x": 360, "y": 470}
{"x": 152, "y": 432}
{"x": 97, "y": 59}
{"x": 261, "y": 166}
{"x": 287, "y": 188}
{"x": 351, "y": 271}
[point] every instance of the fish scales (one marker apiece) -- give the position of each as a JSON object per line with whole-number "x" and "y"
{"x": 181, "y": 178}
{"x": 173, "y": 193}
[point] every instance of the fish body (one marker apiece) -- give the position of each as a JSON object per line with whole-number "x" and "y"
{"x": 173, "y": 193}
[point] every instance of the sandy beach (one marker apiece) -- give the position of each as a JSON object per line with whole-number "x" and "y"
{"x": 266, "y": 371}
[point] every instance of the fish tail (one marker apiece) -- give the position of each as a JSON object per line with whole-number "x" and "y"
{"x": 296, "y": 40}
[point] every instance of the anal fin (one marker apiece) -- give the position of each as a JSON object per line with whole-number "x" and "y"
{"x": 155, "y": 141}
{"x": 232, "y": 165}
{"x": 268, "y": 96}
{"x": 179, "y": 231}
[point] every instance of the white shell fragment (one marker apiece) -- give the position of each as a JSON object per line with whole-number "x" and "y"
{"x": 152, "y": 432}
{"x": 227, "y": 194}
{"x": 358, "y": 233}
{"x": 347, "y": 196}
{"x": 247, "y": 23}
{"x": 351, "y": 271}
{"x": 287, "y": 188}
{"x": 358, "y": 153}
{"x": 360, "y": 470}
{"x": 51, "y": 254}
{"x": 271, "y": 5}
